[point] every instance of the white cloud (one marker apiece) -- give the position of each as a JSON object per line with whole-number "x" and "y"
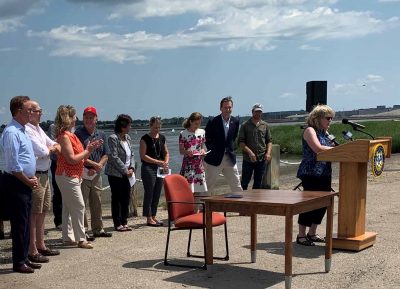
{"x": 7, "y": 49}
{"x": 12, "y": 12}
{"x": 286, "y": 95}
{"x": 161, "y": 8}
{"x": 2, "y": 109}
{"x": 364, "y": 85}
{"x": 374, "y": 78}
{"x": 7, "y": 25}
{"x": 229, "y": 25}
{"x": 309, "y": 47}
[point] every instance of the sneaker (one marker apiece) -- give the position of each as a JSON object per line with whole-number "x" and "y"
{"x": 89, "y": 238}
{"x": 102, "y": 234}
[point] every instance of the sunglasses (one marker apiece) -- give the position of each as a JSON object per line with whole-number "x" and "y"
{"x": 328, "y": 118}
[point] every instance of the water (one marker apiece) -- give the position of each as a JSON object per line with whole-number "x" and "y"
{"x": 172, "y": 139}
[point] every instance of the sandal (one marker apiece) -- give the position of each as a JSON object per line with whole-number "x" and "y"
{"x": 304, "y": 241}
{"x": 120, "y": 229}
{"x": 127, "y": 228}
{"x": 85, "y": 245}
{"x": 316, "y": 238}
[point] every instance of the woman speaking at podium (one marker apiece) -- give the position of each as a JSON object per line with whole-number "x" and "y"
{"x": 315, "y": 175}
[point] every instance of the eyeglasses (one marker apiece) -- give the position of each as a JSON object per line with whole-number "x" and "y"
{"x": 329, "y": 118}
{"x": 37, "y": 110}
{"x": 29, "y": 110}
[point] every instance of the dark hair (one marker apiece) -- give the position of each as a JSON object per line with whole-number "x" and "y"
{"x": 122, "y": 121}
{"x": 225, "y": 99}
{"x": 193, "y": 117}
{"x": 154, "y": 119}
{"x": 17, "y": 102}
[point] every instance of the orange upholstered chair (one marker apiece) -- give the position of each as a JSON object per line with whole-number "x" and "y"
{"x": 182, "y": 216}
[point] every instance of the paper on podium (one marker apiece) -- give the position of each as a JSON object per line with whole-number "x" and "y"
{"x": 86, "y": 175}
{"x": 132, "y": 180}
{"x": 199, "y": 154}
{"x": 161, "y": 173}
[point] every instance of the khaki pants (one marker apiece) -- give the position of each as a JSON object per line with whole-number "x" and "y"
{"x": 73, "y": 208}
{"x": 92, "y": 197}
{"x": 229, "y": 171}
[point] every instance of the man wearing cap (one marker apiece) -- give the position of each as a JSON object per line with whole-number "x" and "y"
{"x": 256, "y": 143}
{"x": 91, "y": 180}
{"x": 43, "y": 146}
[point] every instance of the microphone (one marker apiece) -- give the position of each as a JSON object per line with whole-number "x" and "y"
{"x": 353, "y": 124}
{"x": 332, "y": 138}
{"x": 347, "y": 135}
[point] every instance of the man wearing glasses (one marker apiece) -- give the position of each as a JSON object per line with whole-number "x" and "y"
{"x": 43, "y": 146}
{"x": 19, "y": 179}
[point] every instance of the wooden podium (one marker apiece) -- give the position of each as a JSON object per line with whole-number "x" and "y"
{"x": 353, "y": 158}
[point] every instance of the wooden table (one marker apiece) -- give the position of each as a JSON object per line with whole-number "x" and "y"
{"x": 273, "y": 202}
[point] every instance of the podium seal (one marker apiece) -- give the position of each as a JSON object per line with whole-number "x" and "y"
{"x": 378, "y": 160}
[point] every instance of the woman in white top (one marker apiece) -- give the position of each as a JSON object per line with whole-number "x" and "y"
{"x": 192, "y": 147}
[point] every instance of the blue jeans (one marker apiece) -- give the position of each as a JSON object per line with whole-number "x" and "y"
{"x": 247, "y": 171}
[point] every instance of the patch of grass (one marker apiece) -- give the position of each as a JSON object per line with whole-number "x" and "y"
{"x": 289, "y": 136}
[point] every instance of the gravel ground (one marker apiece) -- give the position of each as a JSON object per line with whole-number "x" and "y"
{"x": 135, "y": 259}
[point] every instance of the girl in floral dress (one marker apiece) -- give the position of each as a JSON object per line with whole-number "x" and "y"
{"x": 191, "y": 146}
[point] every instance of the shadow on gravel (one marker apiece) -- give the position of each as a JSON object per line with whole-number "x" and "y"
{"x": 6, "y": 271}
{"x": 278, "y": 248}
{"x": 222, "y": 276}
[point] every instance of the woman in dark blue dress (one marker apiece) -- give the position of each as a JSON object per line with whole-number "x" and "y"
{"x": 315, "y": 175}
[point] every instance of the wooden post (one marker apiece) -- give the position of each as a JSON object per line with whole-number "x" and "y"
{"x": 271, "y": 177}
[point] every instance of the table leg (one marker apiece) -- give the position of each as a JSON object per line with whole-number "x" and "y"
{"x": 209, "y": 236}
{"x": 328, "y": 244}
{"x": 253, "y": 241}
{"x": 288, "y": 249}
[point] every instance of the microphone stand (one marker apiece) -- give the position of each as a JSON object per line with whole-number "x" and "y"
{"x": 364, "y": 132}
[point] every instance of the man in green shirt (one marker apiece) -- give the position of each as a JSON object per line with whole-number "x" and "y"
{"x": 256, "y": 143}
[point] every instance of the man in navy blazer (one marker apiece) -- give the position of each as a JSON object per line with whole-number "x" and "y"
{"x": 221, "y": 133}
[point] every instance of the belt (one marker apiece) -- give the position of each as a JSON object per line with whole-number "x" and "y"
{"x": 42, "y": 172}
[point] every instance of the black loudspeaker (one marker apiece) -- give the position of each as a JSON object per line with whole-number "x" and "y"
{"x": 316, "y": 93}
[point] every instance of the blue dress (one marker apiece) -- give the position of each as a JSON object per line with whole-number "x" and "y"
{"x": 315, "y": 176}
{"x": 309, "y": 166}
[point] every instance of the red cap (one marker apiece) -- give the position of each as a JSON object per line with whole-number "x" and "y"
{"x": 91, "y": 109}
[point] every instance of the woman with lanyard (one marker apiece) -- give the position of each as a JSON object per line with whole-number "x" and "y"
{"x": 155, "y": 157}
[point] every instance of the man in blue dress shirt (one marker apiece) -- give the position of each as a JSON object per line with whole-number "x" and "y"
{"x": 19, "y": 179}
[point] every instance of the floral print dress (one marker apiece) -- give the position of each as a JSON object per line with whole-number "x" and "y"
{"x": 192, "y": 167}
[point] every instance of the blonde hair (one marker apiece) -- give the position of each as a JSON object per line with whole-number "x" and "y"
{"x": 64, "y": 118}
{"x": 193, "y": 117}
{"x": 319, "y": 112}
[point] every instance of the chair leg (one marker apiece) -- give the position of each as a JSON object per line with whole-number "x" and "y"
{"x": 226, "y": 242}
{"x": 188, "y": 247}
{"x": 166, "y": 248}
{"x": 205, "y": 248}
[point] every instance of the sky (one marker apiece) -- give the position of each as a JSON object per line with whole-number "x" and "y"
{"x": 173, "y": 57}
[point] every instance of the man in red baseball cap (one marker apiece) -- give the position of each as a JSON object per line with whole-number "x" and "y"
{"x": 90, "y": 109}
{"x": 92, "y": 181}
